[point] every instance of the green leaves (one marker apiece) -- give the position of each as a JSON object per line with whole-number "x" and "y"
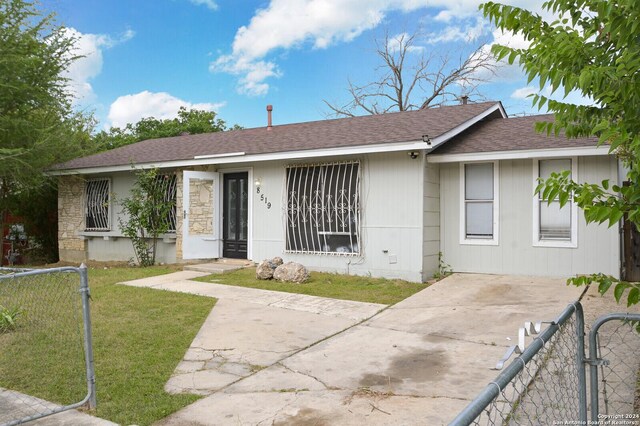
{"x": 597, "y": 55}
{"x": 145, "y": 214}
{"x": 9, "y": 318}
{"x": 605, "y": 282}
{"x": 191, "y": 121}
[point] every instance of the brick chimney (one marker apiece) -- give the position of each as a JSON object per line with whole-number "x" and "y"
{"x": 464, "y": 99}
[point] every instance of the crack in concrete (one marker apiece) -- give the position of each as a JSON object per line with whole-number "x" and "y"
{"x": 327, "y": 387}
{"x": 273, "y": 418}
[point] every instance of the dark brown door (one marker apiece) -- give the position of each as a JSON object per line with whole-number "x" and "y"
{"x": 235, "y": 198}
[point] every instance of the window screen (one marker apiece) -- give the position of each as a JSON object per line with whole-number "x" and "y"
{"x": 97, "y": 205}
{"x": 478, "y": 200}
{"x": 555, "y": 222}
{"x": 323, "y": 208}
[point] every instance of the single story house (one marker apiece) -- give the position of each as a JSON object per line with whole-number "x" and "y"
{"x": 382, "y": 195}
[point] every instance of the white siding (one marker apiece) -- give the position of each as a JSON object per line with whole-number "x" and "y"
{"x": 118, "y": 248}
{"x": 431, "y": 220}
{"x": 598, "y": 246}
{"x": 391, "y": 218}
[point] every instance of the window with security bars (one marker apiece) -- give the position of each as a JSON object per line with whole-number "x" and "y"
{"x": 323, "y": 208}
{"x": 97, "y": 205}
{"x": 554, "y": 222}
{"x": 167, "y": 184}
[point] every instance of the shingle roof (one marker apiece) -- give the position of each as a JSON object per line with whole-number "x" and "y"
{"x": 508, "y": 134}
{"x": 345, "y": 132}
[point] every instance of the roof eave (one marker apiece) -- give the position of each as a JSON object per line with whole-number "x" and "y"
{"x": 581, "y": 151}
{"x": 250, "y": 158}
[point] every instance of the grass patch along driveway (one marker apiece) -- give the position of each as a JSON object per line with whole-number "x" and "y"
{"x": 139, "y": 337}
{"x": 336, "y": 286}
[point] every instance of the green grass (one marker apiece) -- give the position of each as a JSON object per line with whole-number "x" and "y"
{"x": 139, "y": 337}
{"x": 346, "y": 287}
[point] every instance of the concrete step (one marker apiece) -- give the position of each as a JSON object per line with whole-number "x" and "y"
{"x": 215, "y": 267}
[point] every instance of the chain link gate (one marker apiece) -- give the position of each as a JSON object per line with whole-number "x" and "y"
{"x": 547, "y": 383}
{"x": 45, "y": 343}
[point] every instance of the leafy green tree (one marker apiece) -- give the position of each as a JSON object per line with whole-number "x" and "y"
{"x": 593, "y": 47}
{"x": 191, "y": 121}
{"x": 146, "y": 214}
{"x": 37, "y": 124}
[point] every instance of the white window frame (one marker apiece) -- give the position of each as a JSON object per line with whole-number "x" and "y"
{"x": 494, "y": 241}
{"x": 84, "y": 210}
{"x": 537, "y": 242}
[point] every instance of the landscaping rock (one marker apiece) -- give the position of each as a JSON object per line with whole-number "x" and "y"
{"x": 291, "y": 272}
{"x": 265, "y": 269}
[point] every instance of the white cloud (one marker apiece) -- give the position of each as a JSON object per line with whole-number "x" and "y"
{"x": 502, "y": 70}
{"x": 466, "y": 33}
{"x": 208, "y": 3}
{"x": 396, "y": 42}
{"x": 289, "y": 24}
{"x": 524, "y": 92}
{"x": 81, "y": 71}
{"x": 160, "y": 105}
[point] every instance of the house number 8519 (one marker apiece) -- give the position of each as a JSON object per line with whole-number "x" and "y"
{"x": 263, "y": 198}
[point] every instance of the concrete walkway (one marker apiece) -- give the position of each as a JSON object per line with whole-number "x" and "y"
{"x": 418, "y": 362}
{"x": 251, "y": 329}
{"x": 15, "y": 405}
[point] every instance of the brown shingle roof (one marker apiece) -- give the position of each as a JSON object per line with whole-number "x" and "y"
{"x": 508, "y": 134}
{"x": 372, "y": 129}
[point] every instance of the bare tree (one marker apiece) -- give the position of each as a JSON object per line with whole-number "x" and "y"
{"x": 411, "y": 79}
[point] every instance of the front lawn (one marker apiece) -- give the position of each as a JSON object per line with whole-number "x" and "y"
{"x": 346, "y": 287}
{"x": 139, "y": 337}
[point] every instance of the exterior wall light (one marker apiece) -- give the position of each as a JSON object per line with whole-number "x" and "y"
{"x": 258, "y": 182}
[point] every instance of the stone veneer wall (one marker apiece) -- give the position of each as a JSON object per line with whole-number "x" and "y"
{"x": 200, "y": 207}
{"x": 72, "y": 247}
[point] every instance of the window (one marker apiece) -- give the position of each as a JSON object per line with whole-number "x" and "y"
{"x": 553, "y": 226}
{"x": 97, "y": 205}
{"x": 323, "y": 208}
{"x": 479, "y": 206}
{"x": 168, "y": 186}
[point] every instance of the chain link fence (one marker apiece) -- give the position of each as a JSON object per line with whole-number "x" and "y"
{"x": 45, "y": 343}
{"x": 614, "y": 347}
{"x": 547, "y": 383}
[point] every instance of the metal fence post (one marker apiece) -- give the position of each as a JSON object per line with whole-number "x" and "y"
{"x": 580, "y": 364}
{"x": 88, "y": 340}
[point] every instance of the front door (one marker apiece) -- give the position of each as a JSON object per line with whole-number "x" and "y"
{"x": 200, "y": 230}
{"x": 235, "y": 215}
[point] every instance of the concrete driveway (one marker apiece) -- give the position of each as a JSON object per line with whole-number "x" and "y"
{"x": 418, "y": 362}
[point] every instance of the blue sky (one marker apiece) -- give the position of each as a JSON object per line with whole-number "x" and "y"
{"x": 147, "y": 58}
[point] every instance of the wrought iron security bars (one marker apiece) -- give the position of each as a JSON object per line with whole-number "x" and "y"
{"x": 323, "y": 208}
{"x": 97, "y": 204}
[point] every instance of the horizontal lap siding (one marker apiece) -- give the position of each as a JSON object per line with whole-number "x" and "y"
{"x": 391, "y": 195}
{"x": 598, "y": 246}
{"x": 431, "y": 220}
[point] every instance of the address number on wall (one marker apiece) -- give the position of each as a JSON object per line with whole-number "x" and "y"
{"x": 263, "y": 198}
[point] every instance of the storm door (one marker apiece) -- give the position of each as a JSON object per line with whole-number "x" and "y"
{"x": 200, "y": 229}
{"x": 235, "y": 215}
